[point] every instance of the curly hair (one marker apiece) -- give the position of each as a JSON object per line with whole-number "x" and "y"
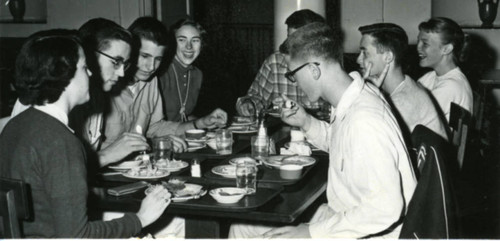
{"x": 45, "y": 66}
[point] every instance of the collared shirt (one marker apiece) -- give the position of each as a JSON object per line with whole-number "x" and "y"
{"x": 143, "y": 108}
{"x": 171, "y": 83}
{"x": 415, "y": 107}
{"x": 90, "y": 131}
{"x": 271, "y": 82}
{"x": 56, "y": 112}
{"x": 450, "y": 87}
{"x": 370, "y": 177}
{"x": 49, "y": 109}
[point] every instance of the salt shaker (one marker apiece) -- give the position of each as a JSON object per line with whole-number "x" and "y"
{"x": 195, "y": 168}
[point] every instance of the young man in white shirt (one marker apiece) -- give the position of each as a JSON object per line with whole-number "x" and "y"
{"x": 384, "y": 44}
{"x": 370, "y": 177}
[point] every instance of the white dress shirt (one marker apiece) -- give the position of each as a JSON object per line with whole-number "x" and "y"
{"x": 450, "y": 87}
{"x": 370, "y": 176}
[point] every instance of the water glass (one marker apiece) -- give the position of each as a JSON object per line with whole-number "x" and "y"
{"x": 162, "y": 149}
{"x": 260, "y": 146}
{"x": 224, "y": 142}
{"x": 246, "y": 175}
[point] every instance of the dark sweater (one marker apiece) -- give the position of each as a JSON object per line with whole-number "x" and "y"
{"x": 40, "y": 150}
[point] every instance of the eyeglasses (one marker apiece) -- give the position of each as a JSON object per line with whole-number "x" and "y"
{"x": 289, "y": 75}
{"x": 117, "y": 62}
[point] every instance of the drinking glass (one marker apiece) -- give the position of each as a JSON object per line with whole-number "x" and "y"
{"x": 260, "y": 146}
{"x": 162, "y": 149}
{"x": 224, "y": 142}
{"x": 246, "y": 175}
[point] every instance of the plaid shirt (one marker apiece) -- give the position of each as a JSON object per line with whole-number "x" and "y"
{"x": 270, "y": 83}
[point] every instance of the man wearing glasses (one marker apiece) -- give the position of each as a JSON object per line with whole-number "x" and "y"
{"x": 270, "y": 81}
{"x": 137, "y": 101}
{"x": 370, "y": 177}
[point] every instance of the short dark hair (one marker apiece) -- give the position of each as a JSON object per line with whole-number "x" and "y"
{"x": 388, "y": 36}
{"x": 450, "y": 33}
{"x": 45, "y": 65}
{"x": 151, "y": 29}
{"x": 98, "y": 32}
{"x": 302, "y": 17}
{"x": 316, "y": 40}
{"x": 298, "y": 19}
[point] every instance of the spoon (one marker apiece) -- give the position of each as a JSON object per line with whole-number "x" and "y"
{"x": 223, "y": 193}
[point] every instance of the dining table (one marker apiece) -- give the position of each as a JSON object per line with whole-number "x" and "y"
{"x": 277, "y": 201}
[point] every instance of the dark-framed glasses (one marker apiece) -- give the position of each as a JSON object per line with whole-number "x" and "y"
{"x": 289, "y": 75}
{"x": 117, "y": 62}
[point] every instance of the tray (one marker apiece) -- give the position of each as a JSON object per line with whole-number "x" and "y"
{"x": 247, "y": 203}
{"x": 265, "y": 175}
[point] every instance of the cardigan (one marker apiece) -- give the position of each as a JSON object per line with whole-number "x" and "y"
{"x": 41, "y": 151}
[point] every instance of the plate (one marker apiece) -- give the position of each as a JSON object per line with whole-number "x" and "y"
{"x": 190, "y": 191}
{"x": 243, "y": 129}
{"x": 313, "y": 148}
{"x": 211, "y": 134}
{"x": 277, "y": 161}
{"x": 127, "y": 165}
{"x": 172, "y": 166}
{"x": 163, "y": 174}
{"x": 228, "y": 171}
{"x": 193, "y": 146}
{"x": 203, "y": 139}
{"x": 235, "y": 160}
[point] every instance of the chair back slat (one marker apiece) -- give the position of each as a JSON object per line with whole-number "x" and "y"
{"x": 460, "y": 122}
{"x": 8, "y": 213}
{"x": 15, "y": 205}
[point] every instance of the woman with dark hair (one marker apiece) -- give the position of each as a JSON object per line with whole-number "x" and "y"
{"x": 107, "y": 47}
{"x": 441, "y": 47}
{"x": 38, "y": 147}
{"x": 180, "y": 85}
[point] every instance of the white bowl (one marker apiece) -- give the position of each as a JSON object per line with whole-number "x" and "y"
{"x": 290, "y": 171}
{"x": 227, "y": 195}
{"x": 195, "y": 134}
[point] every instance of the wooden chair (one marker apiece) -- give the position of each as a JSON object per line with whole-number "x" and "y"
{"x": 15, "y": 205}
{"x": 460, "y": 124}
{"x": 478, "y": 110}
{"x": 432, "y": 211}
